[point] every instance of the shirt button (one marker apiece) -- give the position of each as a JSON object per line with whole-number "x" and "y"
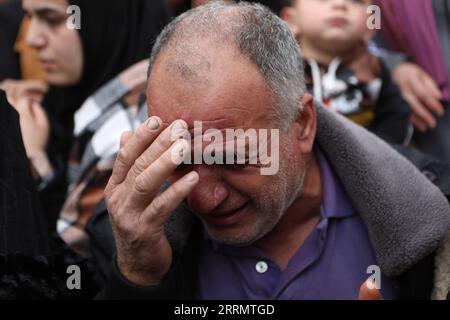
{"x": 261, "y": 267}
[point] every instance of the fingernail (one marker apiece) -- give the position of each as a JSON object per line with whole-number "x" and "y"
{"x": 178, "y": 127}
{"x": 152, "y": 123}
{"x": 192, "y": 176}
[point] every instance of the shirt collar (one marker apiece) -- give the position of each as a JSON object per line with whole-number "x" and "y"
{"x": 335, "y": 203}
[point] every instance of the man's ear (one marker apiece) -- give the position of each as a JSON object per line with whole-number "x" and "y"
{"x": 288, "y": 14}
{"x": 306, "y": 125}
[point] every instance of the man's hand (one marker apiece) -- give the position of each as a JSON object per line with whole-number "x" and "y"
{"x": 368, "y": 291}
{"x": 422, "y": 94}
{"x": 137, "y": 212}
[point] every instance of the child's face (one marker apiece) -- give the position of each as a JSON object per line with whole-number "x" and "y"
{"x": 337, "y": 24}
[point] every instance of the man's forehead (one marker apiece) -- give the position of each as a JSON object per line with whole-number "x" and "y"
{"x": 220, "y": 119}
{"x": 234, "y": 94}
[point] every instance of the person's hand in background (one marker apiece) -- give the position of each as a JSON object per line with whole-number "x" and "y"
{"x": 422, "y": 94}
{"x": 34, "y": 90}
{"x": 34, "y": 126}
{"x": 26, "y": 97}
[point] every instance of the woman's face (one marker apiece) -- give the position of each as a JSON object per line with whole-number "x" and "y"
{"x": 59, "y": 47}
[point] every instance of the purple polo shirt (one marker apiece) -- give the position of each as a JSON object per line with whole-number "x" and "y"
{"x": 332, "y": 263}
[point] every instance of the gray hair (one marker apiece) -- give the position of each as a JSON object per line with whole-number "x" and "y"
{"x": 259, "y": 34}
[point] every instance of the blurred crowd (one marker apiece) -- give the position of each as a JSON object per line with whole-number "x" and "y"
{"x": 77, "y": 90}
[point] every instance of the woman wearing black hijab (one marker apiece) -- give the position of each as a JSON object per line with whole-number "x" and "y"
{"x": 114, "y": 35}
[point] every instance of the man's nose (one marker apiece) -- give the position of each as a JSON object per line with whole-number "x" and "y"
{"x": 210, "y": 191}
{"x": 36, "y": 37}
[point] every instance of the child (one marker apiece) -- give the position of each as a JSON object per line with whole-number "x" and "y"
{"x": 341, "y": 72}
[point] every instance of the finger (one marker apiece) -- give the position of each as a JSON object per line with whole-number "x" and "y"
{"x": 418, "y": 123}
{"x": 432, "y": 99}
{"x": 164, "y": 204}
{"x": 35, "y": 96}
{"x": 431, "y": 86}
{"x": 434, "y": 105}
{"x": 369, "y": 291}
{"x": 424, "y": 88}
{"x": 428, "y": 94}
{"x": 140, "y": 140}
{"x": 148, "y": 183}
{"x": 16, "y": 104}
{"x": 176, "y": 130}
{"x": 34, "y": 86}
{"x": 125, "y": 137}
{"x": 40, "y": 115}
{"x": 4, "y": 84}
{"x": 23, "y": 107}
{"x": 13, "y": 92}
{"x": 8, "y": 94}
{"x": 32, "y": 89}
{"x": 420, "y": 111}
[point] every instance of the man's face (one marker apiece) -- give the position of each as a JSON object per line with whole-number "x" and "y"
{"x": 59, "y": 48}
{"x": 334, "y": 22}
{"x": 236, "y": 203}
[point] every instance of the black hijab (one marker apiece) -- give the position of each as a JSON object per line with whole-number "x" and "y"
{"x": 115, "y": 34}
